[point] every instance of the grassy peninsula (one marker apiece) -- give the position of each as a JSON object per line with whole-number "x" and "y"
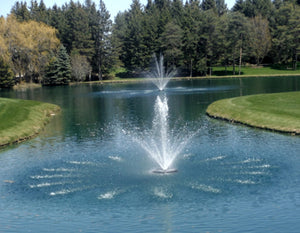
{"x": 277, "y": 112}
{"x": 23, "y": 119}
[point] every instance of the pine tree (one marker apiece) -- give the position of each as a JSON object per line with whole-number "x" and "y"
{"x": 20, "y": 11}
{"x": 58, "y": 71}
{"x": 103, "y": 47}
{"x": 6, "y": 75}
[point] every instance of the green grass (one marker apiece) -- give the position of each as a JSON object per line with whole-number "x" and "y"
{"x": 256, "y": 71}
{"x": 23, "y": 119}
{"x": 277, "y": 112}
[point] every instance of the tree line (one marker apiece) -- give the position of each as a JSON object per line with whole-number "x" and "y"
{"x": 83, "y": 42}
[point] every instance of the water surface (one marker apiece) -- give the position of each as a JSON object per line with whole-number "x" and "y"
{"x": 84, "y": 173}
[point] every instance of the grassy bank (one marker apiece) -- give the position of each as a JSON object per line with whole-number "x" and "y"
{"x": 23, "y": 119}
{"x": 277, "y": 112}
{"x": 248, "y": 71}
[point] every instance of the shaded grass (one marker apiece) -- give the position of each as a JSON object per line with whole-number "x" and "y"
{"x": 23, "y": 119}
{"x": 277, "y": 112}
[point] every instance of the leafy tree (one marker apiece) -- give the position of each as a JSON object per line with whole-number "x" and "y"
{"x": 80, "y": 67}
{"x": 260, "y": 38}
{"x": 29, "y": 44}
{"x": 6, "y": 75}
{"x": 237, "y": 35}
{"x": 58, "y": 72}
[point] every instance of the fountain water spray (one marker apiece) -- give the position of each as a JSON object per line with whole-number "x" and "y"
{"x": 161, "y": 144}
{"x": 159, "y": 76}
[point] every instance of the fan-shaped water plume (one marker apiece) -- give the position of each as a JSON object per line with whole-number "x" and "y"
{"x": 160, "y": 77}
{"x": 162, "y": 144}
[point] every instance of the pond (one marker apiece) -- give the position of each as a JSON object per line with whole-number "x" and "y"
{"x": 86, "y": 172}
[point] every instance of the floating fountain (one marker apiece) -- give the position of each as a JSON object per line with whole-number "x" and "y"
{"x": 160, "y": 77}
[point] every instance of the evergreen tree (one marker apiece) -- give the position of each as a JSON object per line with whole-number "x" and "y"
{"x": 191, "y": 46}
{"x": 171, "y": 41}
{"x": 134, "y": 47}
{"x": 103, "y": 47}
{"x": 6, "y": 75}
{"x": 208, "y": 5}
{"x": 221, "y": 7}
{"x": 286, "y": 34}
{"x": 239, "y": 6}
{"x": 39, "y": 12}
{"x": 21, "y": 11}
{"x": 58, "y": 71}
{"x": 78, "y": 37}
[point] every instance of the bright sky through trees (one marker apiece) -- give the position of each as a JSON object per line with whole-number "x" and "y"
{"x": 113, "y": 6}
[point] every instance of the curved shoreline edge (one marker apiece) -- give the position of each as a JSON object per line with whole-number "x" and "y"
{"x": 277, "y": 112}
{"x": 21, "y": 120}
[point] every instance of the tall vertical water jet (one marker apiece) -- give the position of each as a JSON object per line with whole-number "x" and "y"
{"x": 160, "y": 77}
{"x": 162, "y": 144}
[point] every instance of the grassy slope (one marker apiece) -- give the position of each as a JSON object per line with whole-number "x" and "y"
{"x": 22, "y": 119}
{"x": 279, "y": 111}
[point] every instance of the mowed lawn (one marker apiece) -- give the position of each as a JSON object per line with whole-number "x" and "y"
{"x": 23, "y": 119}
{"x": 278, "y": 112}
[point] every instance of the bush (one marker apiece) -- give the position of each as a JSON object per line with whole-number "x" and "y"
{"x": 6, "y": 75}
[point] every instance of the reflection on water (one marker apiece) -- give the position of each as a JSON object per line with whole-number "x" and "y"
{"x": 84, "y": 172}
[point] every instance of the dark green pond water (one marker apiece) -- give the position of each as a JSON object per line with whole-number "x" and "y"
{"x": 84, "y": 173}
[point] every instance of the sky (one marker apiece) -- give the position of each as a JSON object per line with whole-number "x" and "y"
{"x": 113, "y": 6}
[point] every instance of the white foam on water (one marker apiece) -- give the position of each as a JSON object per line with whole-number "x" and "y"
{"x": 216, "y": 158}
{"x": 53, "y": 176}
{"x": 188, "y": 155}
{"x": 68, "y": 191}
{"x": 254, "y": 173}
{"x": 244, "y": 181}
{"x": 262, "y": 166}
{"x": 206, "y": 188}
{"x": 58, "y": 170}
{"x": 62, "y": 192}
{"x": 108, "y": 195}
{"x": 115, "y": 158}
{"x": 162, "y": 193}
{"x": 250, "y": 161}
{"x": 81, "y": 163}
{"x": 41, "y": 185}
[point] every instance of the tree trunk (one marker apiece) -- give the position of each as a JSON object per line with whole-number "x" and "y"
{"x": 191, "y": 68}
{"x": 100, "y": 72}
{"x": 240, "y": 62}
{"x": 233, "y": 65}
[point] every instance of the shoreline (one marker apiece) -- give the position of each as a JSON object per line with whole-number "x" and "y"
{"x": 23, "y": 119}
{"x": 25, "y": 86}
{"x": 249, "y": 111}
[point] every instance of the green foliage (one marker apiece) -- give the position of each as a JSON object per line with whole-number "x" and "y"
{"x": 6, "y": 75}
{"x": 58, "y": 71}
{"x": 193, "y": 35}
